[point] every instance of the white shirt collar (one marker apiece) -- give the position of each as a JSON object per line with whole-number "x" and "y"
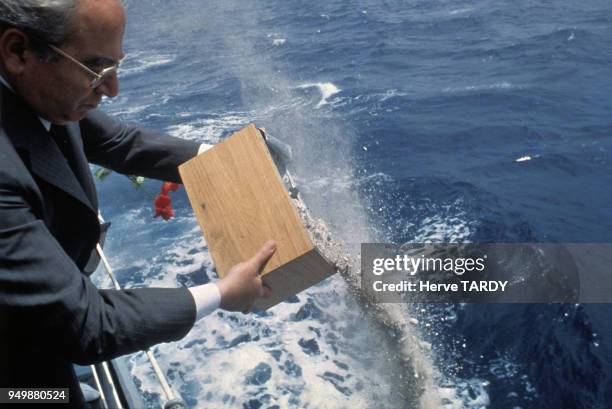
{"x": 2, "y": 80}
{"x": 43, "y": 121}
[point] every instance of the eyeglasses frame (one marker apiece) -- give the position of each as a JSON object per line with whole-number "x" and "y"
{"x": 98, "y": 77}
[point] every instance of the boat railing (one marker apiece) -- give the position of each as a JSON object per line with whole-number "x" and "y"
{"x": 102, "y": 372}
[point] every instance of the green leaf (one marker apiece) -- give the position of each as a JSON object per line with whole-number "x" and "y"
{"x": 137, "y": 181}
{"x": 102, "y": 173}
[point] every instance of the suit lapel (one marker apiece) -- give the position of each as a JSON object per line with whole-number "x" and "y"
{"x": 27, "y": 133}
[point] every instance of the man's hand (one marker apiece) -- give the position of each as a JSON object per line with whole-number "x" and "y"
{"x": 242, "y": 285}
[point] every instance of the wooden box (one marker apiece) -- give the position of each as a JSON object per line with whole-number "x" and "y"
{"x": 241, "y": 202}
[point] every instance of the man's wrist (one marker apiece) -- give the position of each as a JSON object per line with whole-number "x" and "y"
{"x": 207, "y": 299}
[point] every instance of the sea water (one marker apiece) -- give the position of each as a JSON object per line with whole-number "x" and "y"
{"x": 410, "y": 121}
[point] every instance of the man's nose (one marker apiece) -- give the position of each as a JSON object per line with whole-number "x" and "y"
{"x": 110, "y": 86}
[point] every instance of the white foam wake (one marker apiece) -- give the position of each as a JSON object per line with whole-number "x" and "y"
{"x": 327, "y": 90}
{"x": 141, "y": 62}
{"x": 485, "y": 87}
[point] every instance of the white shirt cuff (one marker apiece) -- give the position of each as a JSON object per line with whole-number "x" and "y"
{"x": 203, "y": 148}
{"x": 207, "y": 298}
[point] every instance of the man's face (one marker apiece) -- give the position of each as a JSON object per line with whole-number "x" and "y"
{"x": 60, "y": 90}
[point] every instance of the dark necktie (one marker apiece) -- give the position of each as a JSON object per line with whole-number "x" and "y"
{"x": 60, "y": 136}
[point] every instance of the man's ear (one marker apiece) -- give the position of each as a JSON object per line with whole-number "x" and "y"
{"x": 14, "y": 50}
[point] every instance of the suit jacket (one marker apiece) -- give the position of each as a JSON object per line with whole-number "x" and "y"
{"x": 51, "y": 315}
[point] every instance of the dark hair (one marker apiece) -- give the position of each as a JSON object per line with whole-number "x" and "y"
{"x": 44, "y": 21}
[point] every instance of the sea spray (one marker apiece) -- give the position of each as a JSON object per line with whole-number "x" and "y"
{"x": 415, "y": 373}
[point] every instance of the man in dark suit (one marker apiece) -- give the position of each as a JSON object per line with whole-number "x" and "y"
{"x": 57, "y": 60}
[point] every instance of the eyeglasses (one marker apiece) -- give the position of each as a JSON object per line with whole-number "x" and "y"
{"x": 99, "y": 78}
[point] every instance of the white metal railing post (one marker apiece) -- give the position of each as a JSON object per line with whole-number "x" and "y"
{"x": 170, "y": 397}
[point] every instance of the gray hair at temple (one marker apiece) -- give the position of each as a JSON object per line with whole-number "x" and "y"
{"x": 44, "y": 21}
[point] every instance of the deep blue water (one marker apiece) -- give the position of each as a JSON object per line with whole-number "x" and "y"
{"x": 479, "y": 121}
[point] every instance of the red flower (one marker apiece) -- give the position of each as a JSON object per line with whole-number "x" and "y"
{"x": 163, "y": 203}
{"x": 169, "y": 186}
